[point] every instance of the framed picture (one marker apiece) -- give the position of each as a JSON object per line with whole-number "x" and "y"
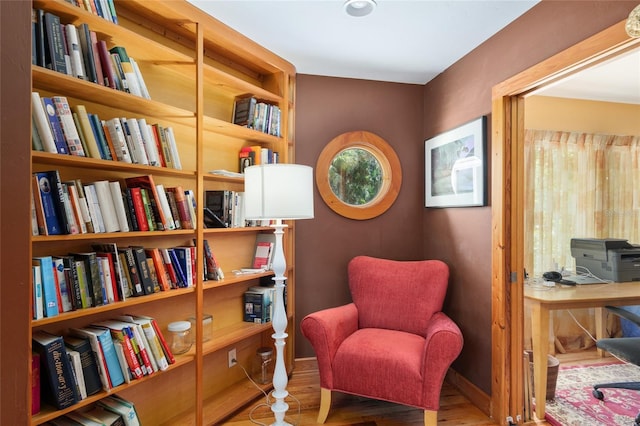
{"x": 455, "y": 166}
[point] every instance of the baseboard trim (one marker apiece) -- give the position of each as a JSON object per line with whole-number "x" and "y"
{"x": 474, "y": 394}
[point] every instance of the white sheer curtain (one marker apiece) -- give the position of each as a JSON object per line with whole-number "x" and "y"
{"x": 578, "y": 185}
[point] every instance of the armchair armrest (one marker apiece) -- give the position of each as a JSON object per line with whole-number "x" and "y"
{"x": 624, "y": 314}
{"x": 326, "y": 330}
{"x": 443, "y": 345}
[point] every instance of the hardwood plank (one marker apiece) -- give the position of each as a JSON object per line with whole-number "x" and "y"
{"x": 304, "y": 385}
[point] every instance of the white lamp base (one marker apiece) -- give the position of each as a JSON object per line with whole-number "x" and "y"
{"x": 280, "y": 378}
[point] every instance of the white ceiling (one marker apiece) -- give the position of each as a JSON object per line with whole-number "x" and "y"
{"x": 402, "y": 41}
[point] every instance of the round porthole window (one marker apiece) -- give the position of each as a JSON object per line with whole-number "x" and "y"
{"x": 358, "y": 175}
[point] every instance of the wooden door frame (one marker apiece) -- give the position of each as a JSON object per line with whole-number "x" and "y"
{"x": 507, "y": 208}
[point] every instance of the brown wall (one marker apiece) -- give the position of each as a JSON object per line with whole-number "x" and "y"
{"x": 326, "y": 107}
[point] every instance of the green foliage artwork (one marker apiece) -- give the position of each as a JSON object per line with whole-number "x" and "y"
{"x": 355, "y": 176}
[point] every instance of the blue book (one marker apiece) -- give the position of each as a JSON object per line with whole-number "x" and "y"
{"x": 50, "y": 293}
{"x": 56, "y": 127}
{"x": 110, "y": 356}
{"x": 177, "y": 265}
{"x": 46, "y": 199}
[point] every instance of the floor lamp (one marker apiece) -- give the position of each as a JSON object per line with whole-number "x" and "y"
{"x": 279, "y": 192}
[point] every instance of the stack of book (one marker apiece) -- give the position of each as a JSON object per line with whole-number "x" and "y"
{"x": 61, "y": 128}
{"x": 101, "y": 356}
{"x": 62, "y": 207}
{"x": 258, "y": 115}
{"x": 108, "y": 274}
{"x": 77, "y": 51}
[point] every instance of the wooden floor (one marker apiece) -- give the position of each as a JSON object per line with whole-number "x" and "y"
{"x": 304, "y": 386}
{"x": 348, "y": 410}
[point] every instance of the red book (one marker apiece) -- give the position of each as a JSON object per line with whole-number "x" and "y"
{"x": 147, "y": 182}
{"x": 108, "y": 71}
{"x": 161, "y": 271}
{"x": 113, "y": 276}
{"x": 138, "y": 206}
{"x": 173, "y": 275}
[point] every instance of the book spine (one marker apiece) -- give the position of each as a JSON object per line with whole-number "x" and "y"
{"x": 134, "y": 274}
{"x": 119, "y": 140}
{"x": 64, "y": 210}
{"x": 88, "y": 58}
{"x": 63, "y": 283}
{"x": 55, "y": 43}
{"x": 89, "y": 134}
{"x": 54, "y": 124}
{"x": 96, "y": 58}
{"x": 138, "y": 206}
{"x": 109, "y": 215}
{"x": 94, "y": 208}
{"x": 42, "y": 123}
{"x": 111, "y": 359}
{"x": 43, "y": 196}
{"x": 137, "y": 139}
{"x": 35, "y": 383}
{"x": 38, "y": 299}
{"x": 163, "y": 203}
{"x": 75, "y": 51}
{"x": 69, "y": 130}
{"x": 141, "y": 262}
{"x": 173, "y": 207}
{"x": 118, "y": 204}
{"x": 107, "y": 66}
{"x": 103, "y": 138}
{"x": 127, "y": 69}
{"x": 177, "y": 266}
{"x": 61, "y": 389}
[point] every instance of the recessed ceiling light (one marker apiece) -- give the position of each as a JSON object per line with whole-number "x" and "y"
{"x": 359, "y": 7}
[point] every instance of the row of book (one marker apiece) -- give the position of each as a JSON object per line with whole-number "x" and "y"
{"x": 252, "y": 113}
{"x": 105, "y": 9}
{"x": 76, "y": 51}
{"x": 60, "y": 128}
{"x": 109, "y": 274}
{"x": 254, "y": 155}
{"x": 101, "y": 356}
{"x": 62, "y": 207}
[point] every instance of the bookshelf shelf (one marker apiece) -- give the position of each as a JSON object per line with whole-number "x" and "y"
{"x": 194, "y": 67}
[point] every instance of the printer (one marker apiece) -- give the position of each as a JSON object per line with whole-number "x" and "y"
{"x": 608, "y": 259}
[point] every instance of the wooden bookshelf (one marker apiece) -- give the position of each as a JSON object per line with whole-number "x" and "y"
{"x": 194, "y": 67}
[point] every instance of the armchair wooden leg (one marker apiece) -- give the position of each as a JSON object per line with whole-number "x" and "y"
{"x": 325, "y": 404}
{"x": 430, "y": 418}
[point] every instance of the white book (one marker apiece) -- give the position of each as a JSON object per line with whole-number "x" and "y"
{"x": 173, "y": 148}
{"x": 149, "y": 142}
{"x": 76, "y": 364}
{"x": 191, "y": 204}
{"x": 122, "y": 360}
{"x": 63, "y": 284}
{"x": 107, "y": 208}
{"x": 166, "y": 210}
{"x": 114, "y": 127}
{"x": 118, "y": 203}
{"x": 38, "y": 300}
{"x": 75, "y": 51}
{"x": 137, "y": 140}
{"x": 42, "y": 123}
{"x": 105, "y": 276}
{"x": 74, "y": 226}
{"x": 71, "y": 135}
{"x": 238, "y": 218}
{"x": 77, "y": 205}
{"x": 143, "y": 87}
{"x": 94, "y": 208}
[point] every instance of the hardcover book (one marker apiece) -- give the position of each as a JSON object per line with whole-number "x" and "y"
{"x": 69, "y": 130}
{"x": 44, "y": 196}
{"x": 55, "y": 126}
{"x": 50, "y": 295}
{"x": 88, "y": 362}
{"x": 112, "y": 249}
{"x": 58, "y": 387}
{"x": 54, "y": 41}
{"x": 41, "y": 120}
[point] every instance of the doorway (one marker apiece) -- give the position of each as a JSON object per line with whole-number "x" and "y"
{"x": 507, "y": 202}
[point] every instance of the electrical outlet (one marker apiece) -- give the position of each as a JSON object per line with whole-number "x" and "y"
{"x": 232, "y": 357}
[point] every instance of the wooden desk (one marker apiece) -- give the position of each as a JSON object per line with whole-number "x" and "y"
{"x": 544, "y": 300}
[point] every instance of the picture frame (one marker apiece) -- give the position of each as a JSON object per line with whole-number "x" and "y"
{"x": 455, "y": 166}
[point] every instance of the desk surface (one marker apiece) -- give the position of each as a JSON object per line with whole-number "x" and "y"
{"x": 585, "y": 295}
{"x": 546, "y": 299}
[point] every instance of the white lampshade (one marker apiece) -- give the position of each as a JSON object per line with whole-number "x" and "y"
{"x": 278, "y": 191}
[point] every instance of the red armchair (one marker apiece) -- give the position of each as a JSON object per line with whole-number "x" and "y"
{"x": 392, "y": 342}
